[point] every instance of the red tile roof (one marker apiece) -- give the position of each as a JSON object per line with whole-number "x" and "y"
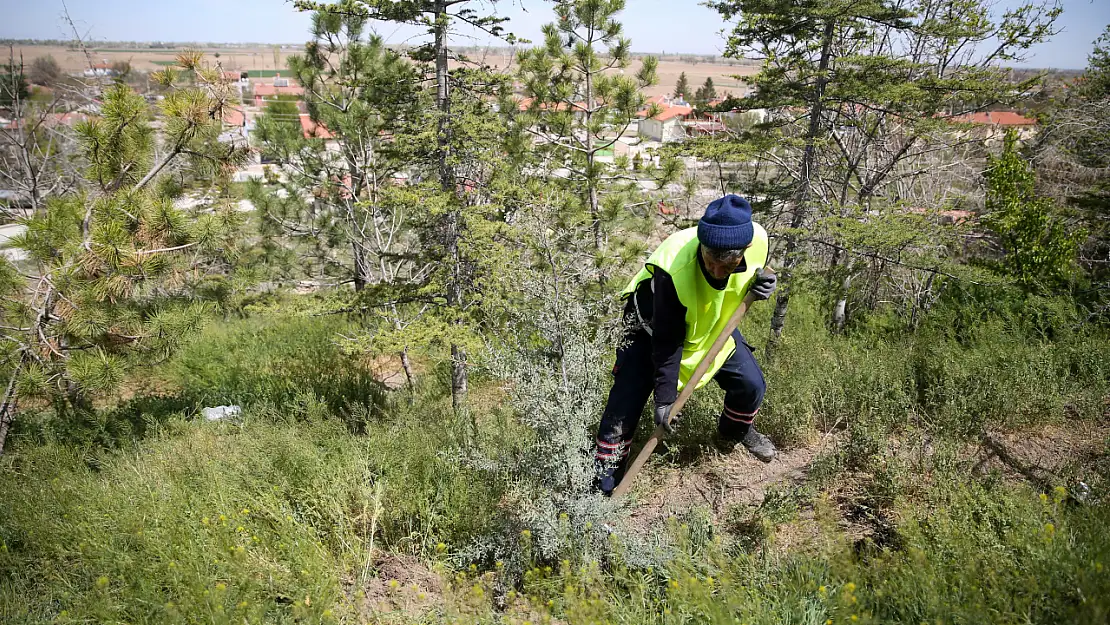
{"x": 672, "y": 112}
{"x": 995, "y": 118}
{"x": 667, "y": 108}
{"x": 262, "y": 90}
{"x": 235, "y": 117}
{"x": 312, "y": 130}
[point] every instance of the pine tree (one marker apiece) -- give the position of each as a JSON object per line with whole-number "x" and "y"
{"x": 364, "y": 99}
{"x": 890, "y": 75}
{"x": 114, "y": 272}
{"x": 576, "y": 106}
{"x": 463, "y": 144}
{"x": 13, "y": 83}
{"x": 1072, "y": 156}
{"x": 682, "y": 87}
{"x": 279, "y": 127}
{"x": 705, "y": 93}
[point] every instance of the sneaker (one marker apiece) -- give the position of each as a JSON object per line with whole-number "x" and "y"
{"x": 759, "y": 445}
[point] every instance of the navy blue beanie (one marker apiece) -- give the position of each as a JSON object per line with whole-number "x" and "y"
{"x": 727, "y": 224}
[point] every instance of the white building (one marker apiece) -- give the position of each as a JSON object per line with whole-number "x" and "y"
{"x": 666, "y": 125}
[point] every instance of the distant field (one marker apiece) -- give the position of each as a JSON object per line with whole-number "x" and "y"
{"x": 72, "y": 60}
{"x": 260, "y": 62}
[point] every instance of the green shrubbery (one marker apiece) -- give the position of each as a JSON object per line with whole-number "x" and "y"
{"x": 278, "y": 360}
{"x": 968, "y": 553}
{"x": 1002, "y": 373}
{"x": 258, "y": 520}
{"x": 245, "y": 520}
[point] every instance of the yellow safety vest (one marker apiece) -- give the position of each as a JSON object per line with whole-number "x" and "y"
{"x": 707, "y": 309}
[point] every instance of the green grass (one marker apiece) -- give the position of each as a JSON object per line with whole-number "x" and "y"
{"x": 208, "y": 522}
{"x": 282, "y": 362}
{"x": 968, "y": 553}
{"x": 221, "y": 522}
{"x": 880, "y": 382}
{"x": 142, "y": 514}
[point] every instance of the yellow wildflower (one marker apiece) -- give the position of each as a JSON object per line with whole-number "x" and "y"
{"x": 221, "y": 586}
{"x": 101, "y": 581}
{"x": 851, "y": 587}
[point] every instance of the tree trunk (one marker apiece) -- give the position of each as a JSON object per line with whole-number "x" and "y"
{"x": 591, "y": 180}
{"x": 406, "y": 364}
{"x": 362, "y": 267}
{"x": 921, "y": 302}
{"x": 77, "y": 397}
{"x": 840, "y": 310}
{"x": 806, "y": 171}
{"x": 447, "y": 183}
{"x": 7, "y": 406}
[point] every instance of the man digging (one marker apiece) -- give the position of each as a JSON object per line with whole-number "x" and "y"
{"x": 677, "y": 305}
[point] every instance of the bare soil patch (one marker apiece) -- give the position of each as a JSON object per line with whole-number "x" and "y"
{"x": 719, "y": 482}
{"x": 404, "y": 591}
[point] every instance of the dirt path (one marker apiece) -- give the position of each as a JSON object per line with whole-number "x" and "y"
{"x": 1044, "y": 456}
{"x": 720, "y": 481}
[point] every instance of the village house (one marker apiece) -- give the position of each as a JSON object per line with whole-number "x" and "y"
{"x": 992, "y": 125}
{"x": 666, "y": 125}
{"x": 237, "y": 126}
{"x": 263, "y": 92}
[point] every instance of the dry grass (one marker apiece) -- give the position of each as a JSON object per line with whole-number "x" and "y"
{"x": 72, "y": 60}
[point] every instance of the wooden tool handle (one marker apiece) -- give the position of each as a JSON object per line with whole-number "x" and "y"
{"x": 703, "y": 366}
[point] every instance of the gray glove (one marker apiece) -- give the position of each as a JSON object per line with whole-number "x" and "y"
{"x": 764, "y": 285}
{"x": 664, "y": 419}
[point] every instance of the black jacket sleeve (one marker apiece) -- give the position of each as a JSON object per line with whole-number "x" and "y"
{"x": 668, "y": 326}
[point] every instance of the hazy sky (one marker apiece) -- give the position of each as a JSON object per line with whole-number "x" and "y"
{"x": 653, "y": 25}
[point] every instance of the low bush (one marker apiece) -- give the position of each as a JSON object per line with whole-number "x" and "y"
{"x": 275, "y": 359}
{"x": 256, "y": 521}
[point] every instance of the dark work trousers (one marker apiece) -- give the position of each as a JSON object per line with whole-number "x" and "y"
{"x": 740, "y": 378}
